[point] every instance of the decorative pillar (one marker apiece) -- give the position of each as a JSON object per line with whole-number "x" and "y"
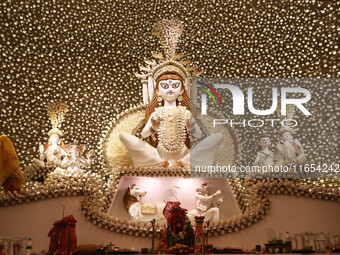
{"x": 199, "y": 235}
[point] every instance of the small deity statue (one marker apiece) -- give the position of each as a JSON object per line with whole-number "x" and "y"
{"x": 53, "y": 151}
{"x": 74, "y": 160}
{"x": 204, "y": 206}
{"x": 289, "y": 149}
{"x": 169, "y": 119}
{"x": 264, "y": 155}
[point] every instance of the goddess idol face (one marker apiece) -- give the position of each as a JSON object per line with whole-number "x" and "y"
{"x": 287, "y": 136}
{"x": 264, "y": 142}
{"x": 54, "y": 139}
{"x": 170, "y": 89}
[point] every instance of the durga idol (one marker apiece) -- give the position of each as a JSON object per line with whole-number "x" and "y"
{"x": 169, "y": 118}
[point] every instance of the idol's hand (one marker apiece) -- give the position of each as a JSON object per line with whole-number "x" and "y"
{"x": 279, "y": 146}
{"x": 55, "y": 152}
{"x": 218, "y": 192}
{"x": 155, "y": 122}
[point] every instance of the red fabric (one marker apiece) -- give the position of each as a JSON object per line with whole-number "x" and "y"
{"x": 63, "y": 236}
{"x": 174, "y": 214}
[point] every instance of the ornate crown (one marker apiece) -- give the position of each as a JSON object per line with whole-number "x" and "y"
{"x": 168, "y": 32}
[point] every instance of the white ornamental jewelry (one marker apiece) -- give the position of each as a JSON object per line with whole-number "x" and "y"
{"x": 159, "y": 99}
{"x": 172, "y": 131}
{"x": 180, "y": 98}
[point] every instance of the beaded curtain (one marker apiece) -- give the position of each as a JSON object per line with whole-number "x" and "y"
{"x": 84, "y": 53}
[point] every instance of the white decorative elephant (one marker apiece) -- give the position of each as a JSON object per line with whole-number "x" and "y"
{"x": 74, "y": 160}
{"x": 142, "y": 211}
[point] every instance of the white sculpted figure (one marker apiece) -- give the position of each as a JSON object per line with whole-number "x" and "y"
{"x": 289, "y": 149}
{"x": 264, "y": 155}
{"x": 169, "y": 119}
{"x": 140, "y": 211}
{"x": 204, "y": 206}
{"x": 53, "y": 151}
{"x": 74, "y": 160}
{"x": 169, "y": 124}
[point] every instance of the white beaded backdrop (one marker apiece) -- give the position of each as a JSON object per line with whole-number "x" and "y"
{"x": 84, "y": 53}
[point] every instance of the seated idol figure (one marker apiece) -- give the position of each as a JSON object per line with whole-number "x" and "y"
{"x": 264, "y": 154}
{"x": 53, "y": 151}
{"x": 289, "y": 149}
{"x": 169, "y": 121}
{"x": 169, "y": 124}
{"x": 75, "y": 161}
{"x": 204, "y": 205}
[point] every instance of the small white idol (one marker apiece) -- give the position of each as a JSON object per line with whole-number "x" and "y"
{"x": 289, "y": 149}
{"x": 264, "y": 154}
{"x": 204, "y": 205}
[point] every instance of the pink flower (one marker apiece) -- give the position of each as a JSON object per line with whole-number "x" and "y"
{"x": 198, "y": 230}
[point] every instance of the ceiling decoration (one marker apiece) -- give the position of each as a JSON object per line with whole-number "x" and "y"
{"x": 84, "y": 54}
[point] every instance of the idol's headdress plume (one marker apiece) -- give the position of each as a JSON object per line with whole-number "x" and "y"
{"x": 56, "y": 112}
{"x": 169, "y": 33}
